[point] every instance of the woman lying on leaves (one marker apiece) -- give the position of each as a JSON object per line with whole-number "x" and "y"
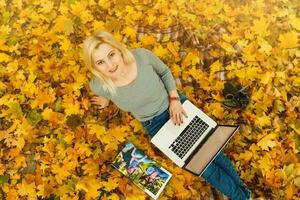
{"x": 139, "y": 82}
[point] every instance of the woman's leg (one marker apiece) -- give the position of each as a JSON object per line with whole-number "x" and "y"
{"x": 226, "y": 164}
{"x": 220, "y": 180}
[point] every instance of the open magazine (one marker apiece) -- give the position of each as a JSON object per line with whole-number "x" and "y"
{"x": 141, "y": 170}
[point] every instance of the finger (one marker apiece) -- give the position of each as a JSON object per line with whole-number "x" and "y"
{"x": 172, "y": 117}
{"x": 95, "y": 102}
{"x": 184, "y": 113}
{"x": 178, "y": 118}
{"x": 181, "y": 118}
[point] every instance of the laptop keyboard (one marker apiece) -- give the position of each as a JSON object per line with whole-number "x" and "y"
{"x": 188, "y": 137}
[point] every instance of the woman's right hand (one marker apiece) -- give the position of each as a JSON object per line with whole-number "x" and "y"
{"x": 100, "y": 101}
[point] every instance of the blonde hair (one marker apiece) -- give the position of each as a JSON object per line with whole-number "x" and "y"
{"x": 91, "y": 43}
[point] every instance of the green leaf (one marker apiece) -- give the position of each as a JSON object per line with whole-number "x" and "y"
{"x": 297, "y": 181}
{"x": 15, "y": 109}
{"x": 4, "y": 178}
{"x": 289, "y": 169}
{"x": 57, "y": 105}
{"x": 74, "y": 121}
{"x": 278, "y": 106}
{"x": 34, "y": 117}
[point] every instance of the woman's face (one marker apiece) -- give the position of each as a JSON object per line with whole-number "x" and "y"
{"x": 109, "y": 61}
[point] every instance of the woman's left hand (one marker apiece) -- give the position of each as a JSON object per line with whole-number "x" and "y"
{"x": 177, "y": 112}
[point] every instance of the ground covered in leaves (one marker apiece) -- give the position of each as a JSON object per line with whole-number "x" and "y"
{"x": 54, "y": 143}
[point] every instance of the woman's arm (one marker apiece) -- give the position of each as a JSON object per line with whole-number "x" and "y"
{"x": 162, "y": 70}
{"x": 173, "y": 93}
{"x": 176, "y": 110}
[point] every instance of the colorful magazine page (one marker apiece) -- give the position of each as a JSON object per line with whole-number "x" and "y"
{"x": 141, "y": 170}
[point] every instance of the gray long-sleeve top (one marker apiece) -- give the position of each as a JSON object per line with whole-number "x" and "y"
{"x": 146, "y": 96}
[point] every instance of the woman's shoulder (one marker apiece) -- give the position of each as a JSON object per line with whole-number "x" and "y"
{"x": 141, "y": 51}
{"x": 93, "y": 81}
{"x": 96, "y": 86}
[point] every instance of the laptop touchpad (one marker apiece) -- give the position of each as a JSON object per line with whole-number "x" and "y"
{"x": 210, "y": 148}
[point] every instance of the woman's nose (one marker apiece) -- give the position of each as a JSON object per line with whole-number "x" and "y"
{"x": 109, "y": 64}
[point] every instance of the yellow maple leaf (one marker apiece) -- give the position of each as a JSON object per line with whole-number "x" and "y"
{"x": 265, "y": 163}
{"x": 19, "y": 161}
{"x": 176, "y": 70}
{"x": 151, "y": 18}
{"x": 90, "y": 185}
{"x": 83, "y": 149}
{"x": 173, "y": 47}
{"x": 71, "y": 106}
{"x": 228, "y": 47}
{"x": 54, "y": 118}
{"x": 120, "y": 131}
{"x": 266, "y": 78}
{"x": 2, "y": 85}
{"x": 63, "y": 23}
{"x": 47, "y": 6}
{"x": 264, "y": 46}
{"x": 137, "y": 126}
{"x": 19, "y": 142}
{"x": 111, "y": 184}
{"x": 11, "y": 193}
{"x": 217, "y": 110}
{"x": 160, "y": 51}
{"x": 249, "y": 50}
{"x": 26, "y": 189}
{"x": 263, "y": 120}
{"x": 274, "y": 178}
{"x": 290, "y": 191}
{"x": 268, "y": 141}
{"x": 251, "y": 73}
{"x": 295, "y": 22}
{"x": 289, "y": 40}
{"x": 44, "y": 96}
{"x": 65, "y": 43}
{"x": 148, "y": 40}
{"x": 260, "y": 27}
{"x": 130, "y": 33}
{"x": 98, "y": 25}
{"x": 215, "y": 67}
{"x": 247, "y": 155}
{"x": 78, "y": 8}
{"x": 4, "y": 57}
{"x": 98, "y": 130}
{"x": 192, "y": 58}
{"x": 90, "y": 168}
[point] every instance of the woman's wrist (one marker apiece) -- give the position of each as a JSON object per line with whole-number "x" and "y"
{"x": 173, "y": 98}
{"x": 173, "y": 93}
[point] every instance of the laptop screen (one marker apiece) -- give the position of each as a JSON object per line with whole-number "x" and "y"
{"x": 214, "y": 144}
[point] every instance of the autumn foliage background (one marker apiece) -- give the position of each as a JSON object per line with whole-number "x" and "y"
{"x": 54, "y": 143}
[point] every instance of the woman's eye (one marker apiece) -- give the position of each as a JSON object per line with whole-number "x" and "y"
{"x": 100, "y": 63}
{"x": 112, "y": 54}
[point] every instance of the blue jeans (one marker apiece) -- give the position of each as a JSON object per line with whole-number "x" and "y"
{"x": 221, "y": 174}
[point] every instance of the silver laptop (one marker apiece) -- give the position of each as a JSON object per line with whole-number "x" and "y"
{"x": 194, "y": 144}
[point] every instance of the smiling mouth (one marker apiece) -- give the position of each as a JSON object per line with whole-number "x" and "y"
{"x": 112, "y": 71}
